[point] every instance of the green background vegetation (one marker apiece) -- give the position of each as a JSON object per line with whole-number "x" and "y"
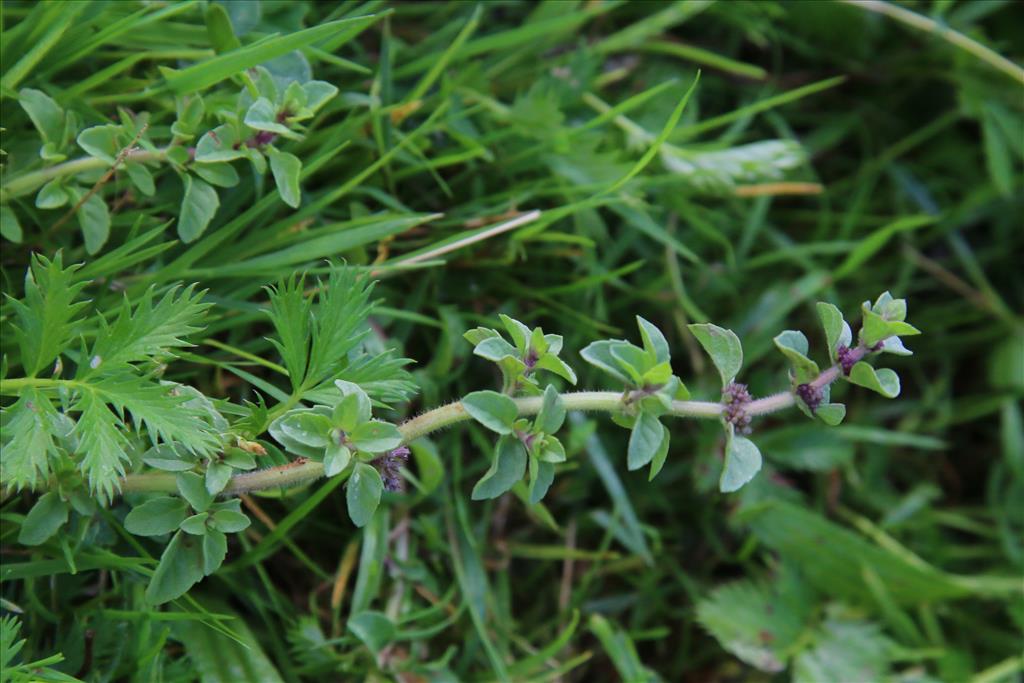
{"x": 828, "y": 152}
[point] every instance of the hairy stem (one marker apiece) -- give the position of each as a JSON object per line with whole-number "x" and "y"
{"x": 303, "y": 471}
{"x": 29, "y": 182}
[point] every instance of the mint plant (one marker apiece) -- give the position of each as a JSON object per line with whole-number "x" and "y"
{"x": 202, "y": 143}
{"x": 92, "y": 420}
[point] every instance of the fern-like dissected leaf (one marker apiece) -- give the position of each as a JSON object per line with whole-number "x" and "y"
{"x": 845, "y": 650}
{"x": 290, "y": 314}
{"x": 102, "y": 444}
{"x": 315, "y": 347}
{"x": 47, "y": 315}
{"x": 382, "y": 376}
{"x": 721, "y": 170}
{"x": 146, "y": 331}
{"x": 161, "y": 410}
{"x": 28, "y": 431}
{"x": 339, "y": 324}
{"x": 757, "y": 621}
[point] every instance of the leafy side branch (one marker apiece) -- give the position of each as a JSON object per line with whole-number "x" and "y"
{"x": 104, "y": 422}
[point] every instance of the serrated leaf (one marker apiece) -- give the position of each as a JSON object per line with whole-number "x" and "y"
{"x": 45, "y": 519}
{"x": 101, "y": 444}
{"x": 156, "y": 516}
{"x": 198, "y": 207}
{"x": 495, "y": 411}
{"x": 290, "y": 313}
{"x": 376, "y": 437}
{"x": 286, "y": 169}
{"x": 644, "y": 441}
{"x": 340, "y": 323}
{"x": 552, "y": 412}
{"x": 27, "y": 440}
{"x": 742, "y": 462}
{"x": 884, "y": 381}
{"x": 724, "y": 348}
{"x": 844, "y": 650}
{"x": 147, "y": 330}
{"x": 756, "y": 621}
{"x": 507, "y": 467}
{"x": 181, "y": 567}
{"x": 363, "y": 493}
{"x": 165, "y": 411}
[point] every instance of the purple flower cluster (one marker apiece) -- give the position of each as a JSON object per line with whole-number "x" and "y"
{"x": 811, "y": 395}
{"x": 736, "y": 397}
{"x": 847, "y": 358}
{"x": 389, "y": 466}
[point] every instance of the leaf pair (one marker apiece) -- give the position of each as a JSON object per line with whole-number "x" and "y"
{"x": 521, "y": 442}
{"x": 742, "y": 457}
{"x": 334, "y": 435}
{"x": 530, "y": 350}
{"x": 648, "y": 368}
{"x": 803, "y": 370}
{"x": 199, "y": 545}
{"x": 650, "y": 389}
{"x": 883, "y": 323}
